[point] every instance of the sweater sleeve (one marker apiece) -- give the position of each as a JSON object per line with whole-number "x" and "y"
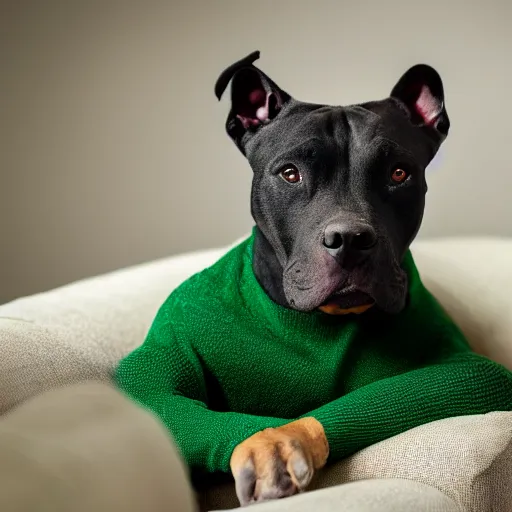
{"x": 165, "y": 376}
{"x": 466, "y": 384}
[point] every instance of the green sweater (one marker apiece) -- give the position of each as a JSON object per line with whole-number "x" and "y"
{"x": 222, "y": 361}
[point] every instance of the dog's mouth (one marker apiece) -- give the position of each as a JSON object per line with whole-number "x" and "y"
{"x": 321, "y": 284}
{"x": 347, "y": 300}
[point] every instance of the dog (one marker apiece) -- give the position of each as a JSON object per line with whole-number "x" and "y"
{"x": 315, "y": 337}
{"x": 360, "y": 210}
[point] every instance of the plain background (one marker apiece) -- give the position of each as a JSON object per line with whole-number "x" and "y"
{"x": 113, "y": 145}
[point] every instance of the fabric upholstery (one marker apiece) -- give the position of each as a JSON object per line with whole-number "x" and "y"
{"x": 87, "y": 448}
{"x": 469, "y": 458}
{"x": 390, "y": 495}
{"x": 472, "y": 279}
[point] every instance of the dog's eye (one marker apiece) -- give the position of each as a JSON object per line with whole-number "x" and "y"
{"x": 290, "y": 174}
{"x": 399, "y": 176}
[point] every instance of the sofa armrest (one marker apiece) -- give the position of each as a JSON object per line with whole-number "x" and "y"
{"x": 472, "y": 278}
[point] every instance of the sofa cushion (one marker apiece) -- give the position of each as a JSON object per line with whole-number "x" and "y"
{"x": 87, "y": 448}
{"x": 390, "y": 495}
{"x": 468, "y": 458}
{"x": 35, "y": 358}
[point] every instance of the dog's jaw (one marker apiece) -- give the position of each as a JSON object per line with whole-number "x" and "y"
{"x": 267, "y": 269}
{"x": 390, "y": 297}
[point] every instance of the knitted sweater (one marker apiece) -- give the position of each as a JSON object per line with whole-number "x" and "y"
{"x": 222, "y": 361}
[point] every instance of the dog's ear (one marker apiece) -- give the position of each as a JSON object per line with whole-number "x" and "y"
{"x": 420, "y": 90}
{"x": 255, "y": 99}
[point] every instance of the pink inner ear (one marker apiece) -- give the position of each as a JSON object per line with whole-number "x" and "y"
{"x": 257, "y": 110}
{"x": 428, "y": 106}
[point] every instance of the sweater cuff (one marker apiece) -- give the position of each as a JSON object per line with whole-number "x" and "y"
{"x": 238, "y": 431}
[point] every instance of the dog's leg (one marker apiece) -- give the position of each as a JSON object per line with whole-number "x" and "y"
{"x": 278, "y": 462}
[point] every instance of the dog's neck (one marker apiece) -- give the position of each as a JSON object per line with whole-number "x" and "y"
{"x": 267, "y": 269}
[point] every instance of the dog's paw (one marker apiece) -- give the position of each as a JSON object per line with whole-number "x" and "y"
{"x": 278, "y": 462}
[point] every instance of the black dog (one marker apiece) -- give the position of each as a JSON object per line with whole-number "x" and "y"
{"x": 338, "y": 195}
{"x": 268, "y": 393}
{"x": 334, "y": 198}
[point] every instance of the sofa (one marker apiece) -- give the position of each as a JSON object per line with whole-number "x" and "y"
{"x": 70, "y": 441}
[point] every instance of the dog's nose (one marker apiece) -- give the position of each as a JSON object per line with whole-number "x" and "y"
{"x": 341, "y": 240}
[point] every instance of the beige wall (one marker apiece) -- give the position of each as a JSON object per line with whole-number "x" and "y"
{"x": 115, "y": 151}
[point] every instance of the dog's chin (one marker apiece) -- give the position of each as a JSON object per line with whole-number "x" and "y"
{"x": 339, "y": 298}
{"x": 346, "y": 301}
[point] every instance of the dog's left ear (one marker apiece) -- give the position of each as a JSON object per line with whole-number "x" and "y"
{"x": 420, "y": 90}
{"x": 255, "y": 99}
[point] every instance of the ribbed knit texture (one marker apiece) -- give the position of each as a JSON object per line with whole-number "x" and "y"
{"x": 222, "y": 361}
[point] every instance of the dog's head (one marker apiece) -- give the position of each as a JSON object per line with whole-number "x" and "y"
{"x": 338, "y": 192}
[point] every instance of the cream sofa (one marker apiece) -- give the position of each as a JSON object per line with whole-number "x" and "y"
{"x": 68, "y": 446}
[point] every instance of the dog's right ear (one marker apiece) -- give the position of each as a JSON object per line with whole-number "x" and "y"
{"x": 255, "y": 99}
